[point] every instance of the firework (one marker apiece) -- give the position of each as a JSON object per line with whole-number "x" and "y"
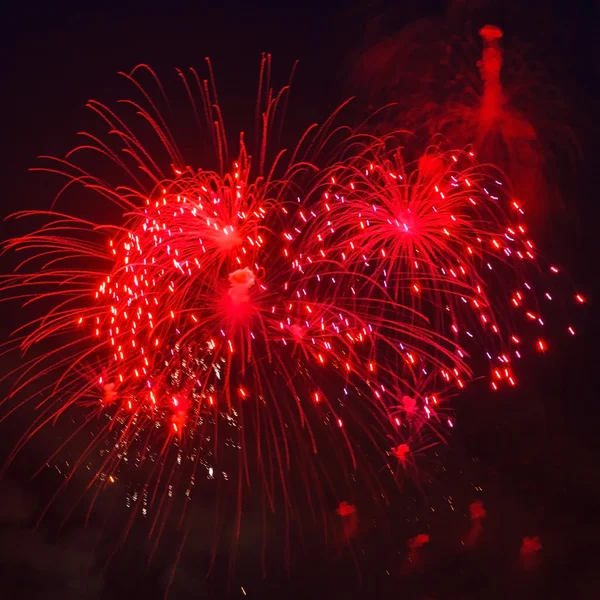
{"x": 184, "y": 337}
{"x": 442, "y": 236}
{"x": 295, "y": 326}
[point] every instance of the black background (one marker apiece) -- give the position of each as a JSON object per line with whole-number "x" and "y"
{"x": 534, "y": 452}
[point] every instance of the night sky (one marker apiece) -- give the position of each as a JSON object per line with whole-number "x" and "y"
{"x": 531, "y": 455}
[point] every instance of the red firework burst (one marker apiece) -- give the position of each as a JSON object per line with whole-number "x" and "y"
{"x": 231, "y": 325}
{"x": 189, "y": 335}
{"x": 446, "y": 240}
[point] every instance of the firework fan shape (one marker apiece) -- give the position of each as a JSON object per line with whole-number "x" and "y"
{"x": 288, "y": 323}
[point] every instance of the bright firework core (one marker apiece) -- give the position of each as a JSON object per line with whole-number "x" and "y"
{"x": 226, "y": 238}
{"x": 406, "y": 221}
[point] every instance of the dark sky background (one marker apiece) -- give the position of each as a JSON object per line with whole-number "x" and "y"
{"x": 534, "y": 452}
